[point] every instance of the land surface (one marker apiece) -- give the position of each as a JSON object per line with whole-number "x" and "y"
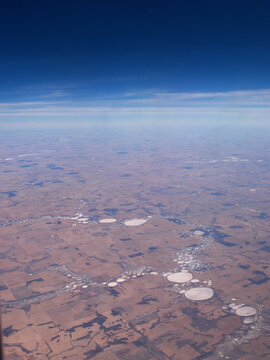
{"x": 205, "y": 197}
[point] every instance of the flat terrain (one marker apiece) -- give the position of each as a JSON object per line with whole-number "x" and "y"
{"x": 73, "y": 287}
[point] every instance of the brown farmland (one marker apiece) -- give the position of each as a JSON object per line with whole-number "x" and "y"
{"x": 206, "y": 202}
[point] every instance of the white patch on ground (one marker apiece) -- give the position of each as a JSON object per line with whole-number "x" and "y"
{"x": 248, "y": 320}
{"x": 81, "y": 218}
{"x": 107, "y": 221}
{"x": 199, "y": 293}
{"x": 180, "y": 277}
{"x": 198, "y": 233}
{"x": 246, "y": 311}
{"x": 195, "y": 280}
{"x": 166, "y": 274}
{"x": 135, "y": 222}
{"x": 120, "y": 280}
{"x": 112, "y": 284}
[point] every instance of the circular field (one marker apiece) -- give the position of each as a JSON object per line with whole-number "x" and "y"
{"x": 246, "y": 311}
{"x": 179, "y": 277}
{"x": 199, "y": 293}
{"x": 135, "y": 222}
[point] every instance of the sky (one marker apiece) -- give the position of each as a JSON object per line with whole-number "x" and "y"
{"x": 81, "y": 62}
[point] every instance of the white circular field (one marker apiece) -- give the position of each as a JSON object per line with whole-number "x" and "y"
{"x": 112, "y": 284}
{"x": 246, "y": 311}
{"x": 179, "y": 277}
{"x": 120, "y": 280}
{"x": 199, "y": 293}
{"x": 135, "y": 222}
{"x": 107, "y": 221}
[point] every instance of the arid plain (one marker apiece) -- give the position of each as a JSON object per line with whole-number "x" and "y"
{"x": 75, "y": 285}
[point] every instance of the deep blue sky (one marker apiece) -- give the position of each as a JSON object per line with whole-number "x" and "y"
{"x": 82, "y": 49}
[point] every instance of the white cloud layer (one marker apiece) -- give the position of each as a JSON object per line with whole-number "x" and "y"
{"x": 247, "y": 107}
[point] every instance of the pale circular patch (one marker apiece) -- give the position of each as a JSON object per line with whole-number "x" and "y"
{"x": 135, "y": 222}
{"x": 246, "y": 311}
{"x": 199, "y": 293}
{"x": 120, "y": 280}
{"x": 107, "y": 221}
{"x": 195, "y": 280}
{"x": 179, "y": 277}
{"x": 248, "y": 320}
{"x": 112, "y": 284}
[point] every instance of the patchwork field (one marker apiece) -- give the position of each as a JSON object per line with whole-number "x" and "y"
{"x": 103, "y": 238}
